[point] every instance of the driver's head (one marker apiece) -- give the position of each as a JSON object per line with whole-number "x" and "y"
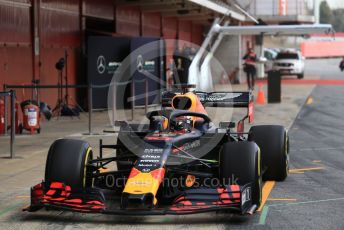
{"x": 183, "y": 123}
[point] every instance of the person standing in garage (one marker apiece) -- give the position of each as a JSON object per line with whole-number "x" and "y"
{"x": 250, "y": 68}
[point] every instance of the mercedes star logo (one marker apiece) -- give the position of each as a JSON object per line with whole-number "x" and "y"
{"x": 101, "y": 64}
{"x": 139, "y": 62}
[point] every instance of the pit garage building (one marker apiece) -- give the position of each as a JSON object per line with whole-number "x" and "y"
{"x": 35, "y": 34}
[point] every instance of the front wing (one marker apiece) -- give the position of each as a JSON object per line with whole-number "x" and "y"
{"x": 60, "y": 196}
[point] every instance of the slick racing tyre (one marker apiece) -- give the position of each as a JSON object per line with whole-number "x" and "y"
{"x": 273, "y": 142}
{"x": 240, "y": 161}
{"x": 67, "y": 163}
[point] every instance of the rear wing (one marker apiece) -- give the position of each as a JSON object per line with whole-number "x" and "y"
{"x": 225, "y": 99}
{"x": 218, "y": 99}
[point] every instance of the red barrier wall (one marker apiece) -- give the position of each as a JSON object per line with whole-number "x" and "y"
{"x": 321, "y": 49}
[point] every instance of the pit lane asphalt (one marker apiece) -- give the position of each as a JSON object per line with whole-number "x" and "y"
{"x": 317, "y": 144}
{"x": 309, "y": 199}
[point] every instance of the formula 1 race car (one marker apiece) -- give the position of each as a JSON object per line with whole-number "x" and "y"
{"x": 179, "y": 163}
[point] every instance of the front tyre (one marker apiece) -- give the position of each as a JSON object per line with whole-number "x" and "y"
{"x": 240, "y": 164}
{"x": 67, "y": 163}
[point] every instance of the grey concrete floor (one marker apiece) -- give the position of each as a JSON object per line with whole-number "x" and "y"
{"x": 17, "y": 175}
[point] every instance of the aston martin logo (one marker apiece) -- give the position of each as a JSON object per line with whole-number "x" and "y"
{"x": 101, "y": 64}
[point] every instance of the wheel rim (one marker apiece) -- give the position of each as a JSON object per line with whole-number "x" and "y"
{"x": 87, "y": 158}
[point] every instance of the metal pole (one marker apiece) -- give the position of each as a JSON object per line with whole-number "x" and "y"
{"x": 238, "y": 77}
{"x": 146, "y": 95}
{"x": 33, "y": 94}
{"x": 114, "y": 102}
{"x": 13, "y": 95}
{"x": 163, "y": 76}
{"x": 5, "y": 113}
{"x": 90, "y": 108}
{"x": 261, "y": 55}
{"x": 59, "y": 86}
{"x": 101, "y": 148}
{"x": 37, "y": 95}
{"x": 133, "y": 99}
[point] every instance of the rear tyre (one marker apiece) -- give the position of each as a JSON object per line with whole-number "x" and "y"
{"x": 273, "y": 141}
{"x": 241, "y": 161}
{"x": 67, "y": 163}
